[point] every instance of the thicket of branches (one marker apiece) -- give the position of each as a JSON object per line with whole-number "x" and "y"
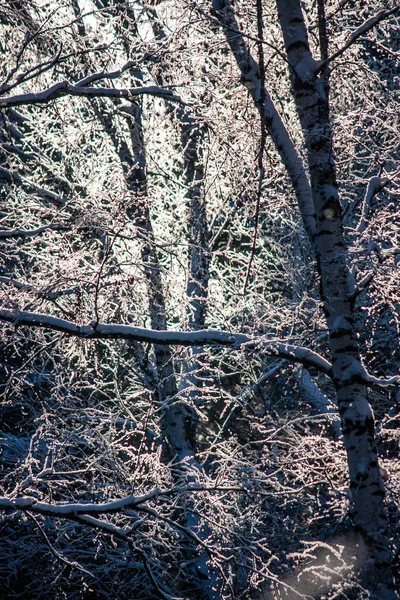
{"x": 140, "y": 187}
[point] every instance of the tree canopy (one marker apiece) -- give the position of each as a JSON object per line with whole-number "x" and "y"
{"x": 199, "y": 299}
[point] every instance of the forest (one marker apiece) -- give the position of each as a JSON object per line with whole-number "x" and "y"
{"x": 199, "y": 299}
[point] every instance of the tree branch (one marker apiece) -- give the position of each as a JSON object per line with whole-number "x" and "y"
{"x": 251, "y": 79}
{"x": 375, "y": 185}
{"x": 64, "y": 88}
{"x": 14, "y": 178}
{"x": 17, "y": 233}
{"x": 206, "y": 337}
{"x": 119, "y": 331}
{"x": 27, "y": 503}
{"x": 353, "y": 37}
{"x": 102, "y": 75}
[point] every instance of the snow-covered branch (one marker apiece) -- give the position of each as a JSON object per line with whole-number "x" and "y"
{"x": 14, "y": 178}
{"x": 75, "y": 508}
{"x": 64, "y": 88}
{"x": 205, "y": 337}
{"x": 41, "y": 293}
{"x": 375, "y": 185}
{"x": 297, "y": 354}
{"x": 313, "y": 394}
{"x": 357, "y": 33}
{"x": 87, "y": 511}
{"x": 103, "y": 75}
{"x": 383, "y": 382}
{"x": 119, "y": 331}
{"x": 18, "y": 233}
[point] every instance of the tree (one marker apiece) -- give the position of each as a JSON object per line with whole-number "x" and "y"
{"x": 170, "y": 353}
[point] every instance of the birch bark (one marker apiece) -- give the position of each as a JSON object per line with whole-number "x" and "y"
{"x": 319, "y": 204}
{"x": 311, "y": 93}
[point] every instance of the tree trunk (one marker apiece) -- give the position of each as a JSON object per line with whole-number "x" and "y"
{"x": 320, "y": 208}
{"x": 311, "y": 93}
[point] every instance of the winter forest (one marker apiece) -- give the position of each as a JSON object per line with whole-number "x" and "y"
{"x": 199, "y": 299}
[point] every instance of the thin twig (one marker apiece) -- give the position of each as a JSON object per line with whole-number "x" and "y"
{"x": 261, "y": 66}
{"x": 363, "y": 29}
{"x": 55, "y": 552}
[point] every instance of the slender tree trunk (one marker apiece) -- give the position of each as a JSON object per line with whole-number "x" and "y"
{"x": 178, "y": 421}
{"x": 252, "y": 80}
{"x": 319, "y": 205}
{"x": 311, "y": 93}
{"x": 181, "y": 420}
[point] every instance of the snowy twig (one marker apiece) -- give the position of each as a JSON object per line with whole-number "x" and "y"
{"x": 55, "y": 552}
{"x": 102, "y": 75}
{"x": 386, "y": 382}
{"x": 312, "y": 393}
{"x": 353, "y": 37}
{"x": 104, "y": 526}
{"x": 382, "y": 256}
{"x": 375, "y": 185}
{"x": 14, "y": 178}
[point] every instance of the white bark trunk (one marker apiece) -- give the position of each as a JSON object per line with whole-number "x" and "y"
{"x": 312, "y": 100}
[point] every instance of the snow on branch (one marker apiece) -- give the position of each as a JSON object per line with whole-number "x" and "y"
{"x": 205, "y": 337}
{"x": 383, "y": 382}
{"x": 118, "y": 331}
{"x": 297, "y": 354}
{"x": 64, "y": 88}
{"x": 18, "y": 233}
{"x": 376, "y": 184}
{"x": 103, "y": 75}
{"x": 361, "y": 30}
{"x": 87, "y": 511}
{"x": 41, "y": 293}
{"x": 105, "y": 526}
{"x": 27, "y": 503}
{"x": 14, "y": 178}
